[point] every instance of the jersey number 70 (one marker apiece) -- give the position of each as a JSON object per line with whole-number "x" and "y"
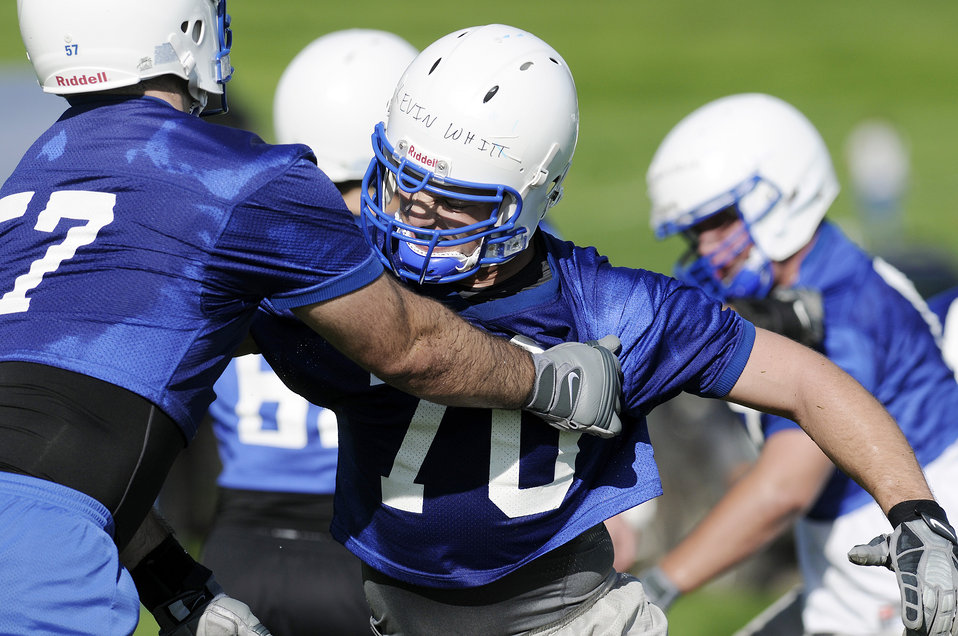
{"x": 400, "y": 491}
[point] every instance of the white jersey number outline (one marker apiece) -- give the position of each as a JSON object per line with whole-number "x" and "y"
{"x": 400, "y": 490}
{"x": 258, "y": 384}
{"x": 96, "y": 208}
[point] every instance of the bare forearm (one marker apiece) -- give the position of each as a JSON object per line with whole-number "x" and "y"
{"x": 450, "y": 362}
{"x": 738, "y": 527}
{"x": 846, "y": 421}
{"x": 423, "y": 348}
{"x": 784, "y": 482}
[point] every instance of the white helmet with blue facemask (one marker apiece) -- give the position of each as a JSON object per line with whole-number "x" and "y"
{"x": 486, "y": 114}
{"x": 758, "y": 157}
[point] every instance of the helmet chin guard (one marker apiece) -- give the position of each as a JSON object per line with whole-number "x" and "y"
{"x": 433, "y": 266}
{"x": 752, "y": 279}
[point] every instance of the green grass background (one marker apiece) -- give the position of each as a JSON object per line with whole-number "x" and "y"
{"x": 641, "y": 65}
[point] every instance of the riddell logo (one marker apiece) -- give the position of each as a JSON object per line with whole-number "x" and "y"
{"x": 421, "y": 158}
{"x": 81, "y": 80}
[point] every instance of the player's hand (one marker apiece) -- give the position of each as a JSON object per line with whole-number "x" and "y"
{"x": 659, "y": 589}
{"x": 226, "y": 616}
{"x": 923, "y": 554}
{"x": 578, "y": 387}
{"x": 207, "y": 611}
{"x": 794, "y": 313}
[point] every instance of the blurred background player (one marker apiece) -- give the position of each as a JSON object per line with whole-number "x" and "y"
{"x": 483, "y": 521}
{"x": 332, "y": 94}
{"x": 747, "y": 180}
{"x": 278, "y": 451}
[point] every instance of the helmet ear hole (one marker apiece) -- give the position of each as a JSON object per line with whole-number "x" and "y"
{"x": 555, "y": 192}
{"x": 193, "y": 30}
{"x": 197, "y": 35}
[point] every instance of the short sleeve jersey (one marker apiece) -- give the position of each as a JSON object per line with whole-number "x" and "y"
{"x": 879, "y": 330}
{"x": 456, "y": 497}
{"x": 136, "y": 242}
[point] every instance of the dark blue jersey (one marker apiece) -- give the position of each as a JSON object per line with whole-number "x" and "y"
{"x": 877, "y": 329}
{"x": 136, "y": 242}
{"x": 456, "y": 497}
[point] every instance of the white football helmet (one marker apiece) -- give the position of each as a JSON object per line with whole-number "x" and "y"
{"x": 335, "y": 91}
{"x": 491, "y": 112}
{"x": 95, "y": 45}
{"x": 757, "y": 155}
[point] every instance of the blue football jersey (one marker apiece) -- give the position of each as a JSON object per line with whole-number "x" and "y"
{"x": 457, "y": 497}
{"x": 270, "y": 438}
{"x": 879, "y": 330}
{"x": 136, "y": 242}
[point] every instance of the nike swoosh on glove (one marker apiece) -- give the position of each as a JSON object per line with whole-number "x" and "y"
{"x": 923, "y": 554}
{"x": 578, "y": 387}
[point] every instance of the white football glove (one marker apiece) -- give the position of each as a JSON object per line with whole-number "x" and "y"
{"x": 578, "y": 387}
{"x": 923, "y": 554}
{"x": 207, "y": 611}
{"x": 226, "y": 616}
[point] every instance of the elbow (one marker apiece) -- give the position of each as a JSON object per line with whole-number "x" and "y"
{"x": 413, "y": 369}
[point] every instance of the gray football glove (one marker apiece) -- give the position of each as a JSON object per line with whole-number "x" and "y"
{"x": 923, "y": 554}
{"x": 578, "y": 387}
{"x": 659, "y": 589}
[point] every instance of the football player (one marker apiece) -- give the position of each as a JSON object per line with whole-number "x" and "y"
{"x": 138, "y": 241}
{"x": 278, "y": 451}
{"x": 747, "y": 180}
{"x": 478, "y": 521}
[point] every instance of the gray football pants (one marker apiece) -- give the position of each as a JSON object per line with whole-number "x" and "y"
{"x": 570, "y": 591}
